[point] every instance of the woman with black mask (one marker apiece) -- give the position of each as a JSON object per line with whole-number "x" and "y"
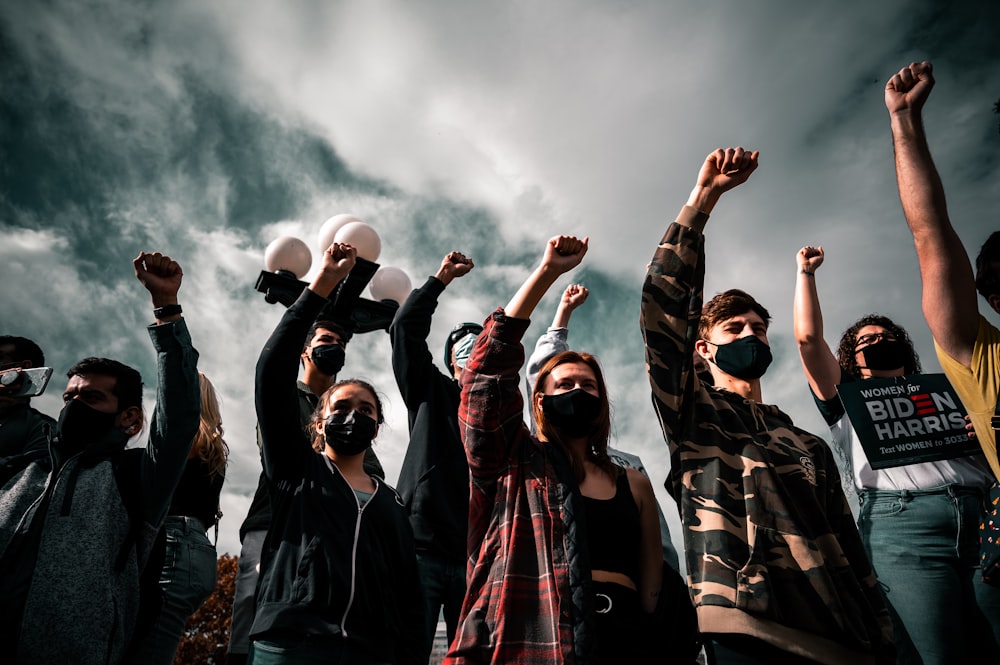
{"x": 919, "y": 522}
{"x": 338, "y": 570}
{"x": 565, "y": 545}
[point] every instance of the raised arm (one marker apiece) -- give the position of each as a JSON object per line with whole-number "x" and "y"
{"x": 818, "y": 362}
{"x": 281, "y": 435}
{"x": 412, "y": 362}
{"x": 556, "y": 338}
{"x": 672, "y": 291}
{"x": 562, "y": 254}
{"x": 491, "y": 413}
{"x": 178, "y": 393}
{"x": 949, "y": 293}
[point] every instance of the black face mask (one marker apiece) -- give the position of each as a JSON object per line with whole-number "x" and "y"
{"x": 329, "y": 358}
{"x": 884, "y": 355}
{"x": 573, "y": 413}
{"x": 80, "y": 425}
{"x": 349, "y": 433}
{"x": 746, "y": 358}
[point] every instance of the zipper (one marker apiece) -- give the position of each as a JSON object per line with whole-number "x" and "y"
{"x": 354, "y": 545}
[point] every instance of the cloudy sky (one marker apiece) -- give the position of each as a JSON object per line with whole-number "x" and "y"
{"x": 207, "y": 129}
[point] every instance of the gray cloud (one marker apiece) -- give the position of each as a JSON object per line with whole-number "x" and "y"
{"x": 205, "y": 129}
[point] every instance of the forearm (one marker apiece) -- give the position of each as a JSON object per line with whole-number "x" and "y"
{"x": 561, "y": 318}
{"x": 807, "y": 316}
{"x": 523, "y": 304}
{"x": 920, "y": 189}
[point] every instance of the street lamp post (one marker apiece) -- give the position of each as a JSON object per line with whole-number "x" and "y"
{"x": 287, "y": 259}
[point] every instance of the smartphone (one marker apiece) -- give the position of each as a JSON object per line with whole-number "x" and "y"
{"x": 24, "y": 382}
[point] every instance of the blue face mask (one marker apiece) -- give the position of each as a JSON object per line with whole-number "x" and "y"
{"x": 746, "y": 358}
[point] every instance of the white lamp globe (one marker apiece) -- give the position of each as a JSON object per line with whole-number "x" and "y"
{"x": 288, "y": 253}
{"x": 362, "y": 237}
{"x": 330, "y": 228}
{"x": 390, "y": 283}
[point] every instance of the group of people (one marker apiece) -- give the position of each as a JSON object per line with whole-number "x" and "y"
{"x": 537, "y": 541}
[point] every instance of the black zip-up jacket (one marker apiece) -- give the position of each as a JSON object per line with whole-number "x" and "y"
{"x": 434, "y": 479}
{"x": 329, "y": 567}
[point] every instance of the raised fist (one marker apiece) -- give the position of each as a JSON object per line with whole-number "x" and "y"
{"x": 574, "y": 296}
{"x": 160, "y": 275}
{"x": 810, "y": 258}
{"x": 909, "y": 88}
{"x": 454, "y": 265}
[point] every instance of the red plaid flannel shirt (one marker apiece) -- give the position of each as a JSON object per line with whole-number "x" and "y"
{"x": 522, "y": 562}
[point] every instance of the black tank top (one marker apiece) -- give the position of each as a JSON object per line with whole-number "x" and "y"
{"x": 614, "y": 531}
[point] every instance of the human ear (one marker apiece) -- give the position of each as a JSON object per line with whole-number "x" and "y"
{"x": 994, "y": 301}
{"x": 130, "y": 420}
{"x": 701, "y": 347}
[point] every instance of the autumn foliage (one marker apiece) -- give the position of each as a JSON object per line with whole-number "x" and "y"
{"x": 206, "y": 634}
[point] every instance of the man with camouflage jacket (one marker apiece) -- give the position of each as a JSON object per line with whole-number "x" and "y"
{"x": 775, "y": 564}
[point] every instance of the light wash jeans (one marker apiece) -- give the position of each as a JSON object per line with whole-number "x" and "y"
{"x": 187, "y": 579}
{"x": 924, "y": 546}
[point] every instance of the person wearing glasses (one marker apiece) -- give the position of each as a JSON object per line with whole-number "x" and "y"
{"x": 919, "y": 522}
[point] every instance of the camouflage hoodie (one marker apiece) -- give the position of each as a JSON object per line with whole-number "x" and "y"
{"x": 771, "y": 547}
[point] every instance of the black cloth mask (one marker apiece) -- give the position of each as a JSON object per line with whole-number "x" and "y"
{"x": 349, "y": 433}
{"x": 573, "y": 413}
{"x": 884, "y": 355}
{"x": 80, "y": 424}
{"x": 746, "y": 358}
{"x": 329, "y": 358}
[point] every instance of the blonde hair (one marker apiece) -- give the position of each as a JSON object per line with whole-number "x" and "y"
{"x": 209, "y": 446}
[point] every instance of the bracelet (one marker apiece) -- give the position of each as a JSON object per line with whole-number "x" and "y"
{"x": 806, "y": 272}
{"x": 161, "y": 313}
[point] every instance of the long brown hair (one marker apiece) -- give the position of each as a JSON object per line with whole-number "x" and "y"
{"x": 597, "y": 440}
{"x": 208, "y": 444}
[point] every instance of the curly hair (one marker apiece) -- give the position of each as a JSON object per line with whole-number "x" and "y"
{"x": 208, "y": 444}
{"x": 317, "y": 437}
{"x": 847, "y": 357}
{"x": 597, "y": 448}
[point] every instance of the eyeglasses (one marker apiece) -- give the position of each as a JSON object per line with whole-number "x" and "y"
{"x": 871, "y": 338}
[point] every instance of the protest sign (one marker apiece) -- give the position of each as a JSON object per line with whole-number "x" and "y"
{"x": 908, "y": 419}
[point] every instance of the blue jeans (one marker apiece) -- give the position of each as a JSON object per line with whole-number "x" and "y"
{"x": 924, "y": 546}
{"x": 443, "y": 584}
{"x": 187, "y": 579}
{"x": 314, "y": 650}
{"x": 244, "y": 605}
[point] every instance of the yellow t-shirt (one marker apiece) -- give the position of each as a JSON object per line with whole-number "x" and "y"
{"x": 978, "y": 385}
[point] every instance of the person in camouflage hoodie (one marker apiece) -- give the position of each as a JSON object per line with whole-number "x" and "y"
{"x": 775, "y": 564}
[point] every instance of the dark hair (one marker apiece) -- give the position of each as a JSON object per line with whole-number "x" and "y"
{"x": 327, "y": 324}
{"x": 597, "y": 441}
{"x": 24, "y": 349}
{"x": 726, "y": 305}
{"x": 987, "y": 270}
{"x": 317, "y": 417}
{"x": 847, "y": 357}
{"x": 128, "y": 382}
